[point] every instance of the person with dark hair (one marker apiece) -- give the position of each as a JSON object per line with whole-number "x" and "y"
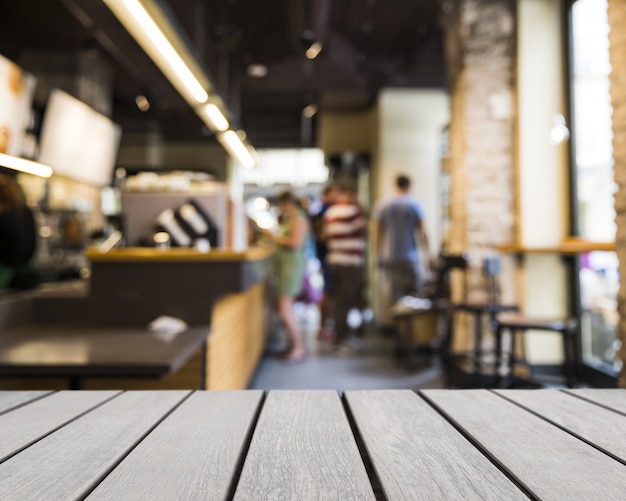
{"x": 18, "y": 233}
{"x": 345, "y": 228}
{"x": 291, "y": 241}
{"x": 403, "y": 240}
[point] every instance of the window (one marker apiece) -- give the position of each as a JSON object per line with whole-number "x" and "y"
{"x": 594, "y": 182}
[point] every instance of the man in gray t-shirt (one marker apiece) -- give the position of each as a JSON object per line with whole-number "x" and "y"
{"x": 402, "y": 230}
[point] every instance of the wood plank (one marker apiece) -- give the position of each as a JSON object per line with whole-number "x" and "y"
{"x": 12, "y": 399}
{"x": 604, "y": 428}
{"x": 549, "y": 462}
{"x": 417, "y": 454}
{"x": 193, "y": 454}
{"x": 237, "y": 339}
{"x": 26, "y": 425}
{"x": 69, "y": 463}
{"x": 303, "y": 448}
{"x": 613, "y": 398}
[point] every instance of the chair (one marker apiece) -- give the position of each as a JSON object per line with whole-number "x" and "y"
{"x": 472, "y": 369}
{"x": 519, "y": 324}
{"x": 436, "y": 303}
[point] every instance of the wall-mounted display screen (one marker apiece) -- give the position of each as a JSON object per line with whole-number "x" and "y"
{"x": 17, "y": 89}
{"x": 77, "y": 141}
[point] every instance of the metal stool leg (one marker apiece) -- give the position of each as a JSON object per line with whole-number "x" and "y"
{"x": 569, "y": 355}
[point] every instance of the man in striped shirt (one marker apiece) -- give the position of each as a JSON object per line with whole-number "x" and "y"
{"x": 345, "y": 229}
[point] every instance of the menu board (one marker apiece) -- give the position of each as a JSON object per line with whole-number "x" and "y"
{"x": 17, "y": 89}
{"x": 77, "y": 141}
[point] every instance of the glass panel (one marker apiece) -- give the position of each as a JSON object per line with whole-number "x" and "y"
{"x": 599, "y": 284}
{"x": 592, "y": 126}
{"x": 592, "y": 131}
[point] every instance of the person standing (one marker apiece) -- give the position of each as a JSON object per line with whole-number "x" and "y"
{"x": 345, "y": 229}
{"x": 326, "y": 332}
{"x": 291, "y": 241}
{"x": 401, "y": 231}
{"x": 18, "y": 235}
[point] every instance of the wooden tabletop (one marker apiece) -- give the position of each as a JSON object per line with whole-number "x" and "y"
{"x": 282, "y": 445}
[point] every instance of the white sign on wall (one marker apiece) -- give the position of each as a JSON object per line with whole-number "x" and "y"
{"x": 77, "y": 141}
{"x": 16, "y": 99}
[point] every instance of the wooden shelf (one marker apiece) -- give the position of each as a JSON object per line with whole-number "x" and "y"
{"x": 566, "y": 247}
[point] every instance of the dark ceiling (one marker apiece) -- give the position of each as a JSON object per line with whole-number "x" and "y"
{"x": 367, "y": 45}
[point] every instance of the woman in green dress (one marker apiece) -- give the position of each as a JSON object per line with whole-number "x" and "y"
{"x": 291, "y": 266}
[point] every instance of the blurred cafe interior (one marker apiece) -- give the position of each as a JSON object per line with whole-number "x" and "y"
{"x": 120, "y": 117}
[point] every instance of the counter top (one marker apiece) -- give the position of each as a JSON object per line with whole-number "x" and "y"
{"x": 147, "y": 254}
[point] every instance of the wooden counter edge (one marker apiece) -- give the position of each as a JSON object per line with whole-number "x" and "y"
{"x": 566, "y": 247}
{"x": 145, "y": 254}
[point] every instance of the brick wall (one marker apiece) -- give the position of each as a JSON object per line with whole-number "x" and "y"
{"x": 617, "y": 20}
{"x": 481, "y": 34}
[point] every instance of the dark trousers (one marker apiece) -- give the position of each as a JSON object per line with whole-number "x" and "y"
{"x": 406, "y": 279}
{"x": 348, "y": 282}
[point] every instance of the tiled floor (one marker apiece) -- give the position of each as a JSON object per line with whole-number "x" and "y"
{"x": 375, "y": 367}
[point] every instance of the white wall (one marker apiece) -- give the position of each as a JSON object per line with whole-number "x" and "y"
{"x": 542, "y": 168}
{"x": 410, "y": 133}
{"x": 540, "y": 95}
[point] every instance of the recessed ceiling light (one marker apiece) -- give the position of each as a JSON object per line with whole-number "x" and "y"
{"x": 142, "y": 103}
{"x": 257, "y": 70}
{"x": 309, "y": 110}
{"x": 313, "y": 51}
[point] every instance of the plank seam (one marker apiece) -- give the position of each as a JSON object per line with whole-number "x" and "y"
{"x": 492, "y": 459}
{"x": 28, "y": 402}
{"x": 582, "y": 397}
{"x": 98, "y": 480}
{"x": 245, "y": 448}
{"x": 375, "y": 482}
{"x": 569, "y": 432}
{"x": 62, "y": 425}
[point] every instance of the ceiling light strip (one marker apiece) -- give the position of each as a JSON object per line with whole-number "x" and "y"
{"x": 217, "y": 118}
{"x": 23, "y": 165}
{"x": 140, "y": 24}
{"x": 235, "y": 146}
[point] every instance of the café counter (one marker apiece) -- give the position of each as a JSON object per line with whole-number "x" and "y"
{"x": 227, "y": 292}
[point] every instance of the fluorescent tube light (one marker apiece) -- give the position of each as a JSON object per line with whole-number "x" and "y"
{"x": 142, "y": 20}
{"x": 231, "y": 141}
{"x": 23, "y": 165}
{"x": 136, "y": 19}
{"x": 217, "y": 118}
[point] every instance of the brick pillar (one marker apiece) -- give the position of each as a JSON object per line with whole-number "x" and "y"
{"x": 480, "y": 37}
{"x": 617, "y": 37}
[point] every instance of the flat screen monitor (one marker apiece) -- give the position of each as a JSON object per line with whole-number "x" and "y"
{"x": 77, "y": 141}
{"x": 17, "y": 89}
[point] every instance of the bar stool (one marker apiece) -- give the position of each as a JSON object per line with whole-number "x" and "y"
{"x": 520, "y": 324}
{"x": 480, "y": 310}
{"x": 436, "y": 303}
